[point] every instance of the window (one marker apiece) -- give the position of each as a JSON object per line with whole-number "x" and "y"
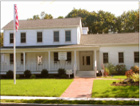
{"x": 39, "y": 36}
{"x": 11, "y": 59}
{"x": 88, "y": 60}
{"x": 23, "y": 37}
{"x": 21, "y": 58}
{"x": 68, "y": 35}
{"x": 105, "y": 57}
{"x": 136, "y": 57}
{"x": 56, "y": 56}
{"x": 69, "y": 56}
{"x": 11, "y": 38}
{"x": 121, "y": 57}
{"x": 56, "y": 36}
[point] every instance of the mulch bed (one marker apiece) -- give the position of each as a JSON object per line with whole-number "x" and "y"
{"x": 128, "y": 84}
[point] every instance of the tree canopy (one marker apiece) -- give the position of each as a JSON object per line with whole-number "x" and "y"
{"x": 101, "y": 21}
{"x": 43, "y": 15}
{"x": 1, "y": 39}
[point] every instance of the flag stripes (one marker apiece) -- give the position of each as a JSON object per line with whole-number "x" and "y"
{"x": 16, "y": 18}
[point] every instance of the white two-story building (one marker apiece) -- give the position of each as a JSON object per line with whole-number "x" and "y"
{"x": 63, "y": 43}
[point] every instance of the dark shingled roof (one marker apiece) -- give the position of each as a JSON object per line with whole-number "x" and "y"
{"x": 45, "y": 23}
{"x": 103, "y": 39}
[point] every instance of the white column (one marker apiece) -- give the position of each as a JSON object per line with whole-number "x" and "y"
{"x": 24, "y": 61}
{"x": 75, "y": 63}
{"x": 49, "y": 60}
{"x": 95, "y": 62}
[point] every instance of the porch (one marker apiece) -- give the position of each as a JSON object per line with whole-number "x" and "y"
{"x": 80, "y": 61}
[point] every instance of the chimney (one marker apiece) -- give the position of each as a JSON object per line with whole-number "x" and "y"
{"x": 85, "y": 30}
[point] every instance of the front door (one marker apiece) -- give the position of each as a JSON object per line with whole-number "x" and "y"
{"x": 86, "y": 61}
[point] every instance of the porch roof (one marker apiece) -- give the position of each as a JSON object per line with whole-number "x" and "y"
{"x": 48, "y": 46}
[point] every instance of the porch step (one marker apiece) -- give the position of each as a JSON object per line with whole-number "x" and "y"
{"x": 85, "y": 74}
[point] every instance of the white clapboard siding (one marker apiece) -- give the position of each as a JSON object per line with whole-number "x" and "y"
{"x": 31, "y": 37}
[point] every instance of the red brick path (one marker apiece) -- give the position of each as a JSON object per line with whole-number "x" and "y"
{"x": 79, "y": 88}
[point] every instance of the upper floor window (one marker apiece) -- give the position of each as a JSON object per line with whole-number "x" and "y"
{"x": 136, "y": 57}
{"x": 11, "y": 59}
{"x": 68, "y": 35}
{"x": 39, "y": 36}
{"x": 69, "y": 56}
{"x": 105, "y": 57}
{"x": 23, "y": 37}
{"x": 121, "y": 57}
{"x": 11, "y": 37}
{"x": 56, "y": 36}
{"x": 56, "y": 56}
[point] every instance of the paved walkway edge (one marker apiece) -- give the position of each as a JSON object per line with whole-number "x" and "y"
{"x": 66, "y": 98}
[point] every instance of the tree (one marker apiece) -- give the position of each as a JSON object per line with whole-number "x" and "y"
{"x": 1, "y": 39}
{"x": 136, "y": 22}
{"x": 79, "y": 13}
{"x": 36, "y": 17}
{"x": 60, "y": 17}
{"x": 91, "y": 22}
{"x": 48, "y": 16}
{"x": 105, "y": 22}
{"x": 43, "y": 15}
{"x": 130, "y": 21}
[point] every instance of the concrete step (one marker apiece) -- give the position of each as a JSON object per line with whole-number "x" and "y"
{"x": 86, "y": 74}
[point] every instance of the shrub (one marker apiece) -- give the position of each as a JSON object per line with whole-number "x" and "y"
{"x": 17, "y": 76}
{"x": 51, "y": 76}
{"x": 9, "y": 74}
{"x": 61, "y": 72}
{"x": 27, "y": 74}
{"x": 135, "y": 69}
{"x": 44, "y": 73}
{"x": 129, "y": 73}
{"x": 120, "y": 69}
{"x": 106, "y": 72}
{"x": 111, "y": 69}
{"x": 33, "y": 76}
{"x": 135, "y": 77}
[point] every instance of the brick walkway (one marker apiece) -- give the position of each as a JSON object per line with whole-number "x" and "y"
{"x": 79, "y": 88}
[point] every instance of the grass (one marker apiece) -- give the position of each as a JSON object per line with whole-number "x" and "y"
{"x": 115, "y": 77}
{"x": 119, "y": 76}
{"x": 73, "y": 102}
{"x": 103, "y": 88}
{"x": 35, "y": 87}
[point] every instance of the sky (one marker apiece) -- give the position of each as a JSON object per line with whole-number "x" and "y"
{"x": 26, "y": 9}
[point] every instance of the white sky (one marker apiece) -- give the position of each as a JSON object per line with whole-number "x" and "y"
{"x": 60, "y": 8}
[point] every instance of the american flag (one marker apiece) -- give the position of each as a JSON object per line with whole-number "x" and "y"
{"x": 16, "y": 17}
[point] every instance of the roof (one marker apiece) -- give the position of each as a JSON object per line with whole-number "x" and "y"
{"x": 45, "y": 23}
{"x": 109, "y": 39}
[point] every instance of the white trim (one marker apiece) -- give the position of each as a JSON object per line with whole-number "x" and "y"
{"x": 24, "y": 67}
{"x": 49, "y": 59}
{"x": 95, "y": 62}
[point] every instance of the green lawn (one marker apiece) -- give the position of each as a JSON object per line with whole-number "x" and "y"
{"x": 119, "y": 76}
{"x": 115, "y": 77}
{"x": 35, "y": 87}
{"x": 102, "y": 88}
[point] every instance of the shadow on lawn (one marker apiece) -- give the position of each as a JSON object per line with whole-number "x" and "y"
{"x": 119, "y": 91}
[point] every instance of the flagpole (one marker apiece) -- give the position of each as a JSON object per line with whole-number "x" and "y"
{"x": 14, "y": 49}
